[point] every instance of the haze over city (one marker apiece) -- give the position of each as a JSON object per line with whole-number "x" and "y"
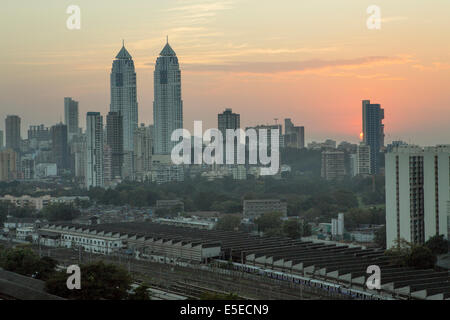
{"x": 312, "y": 61}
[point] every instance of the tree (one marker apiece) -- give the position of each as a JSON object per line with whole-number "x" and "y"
{"x": 306, "y": 230}
{"x": 274, "y": 232}
{"x": 411, "y": 255}
{"x": 228, "y": 223}
{"x": 163, "y": 212}
{"x": 98, "y": 281}
{"x": 61, "y": 212}
{"x": 140, "y": 293}
{"x": 3, "y": 215}
{"x": 24, "y": 261}
{"x": 269, "y": 221}
{"x": 437, "y": 244}
{"x": 399, "y": 253}
{"x": 421, "y": 257}
{"x": 292, "y": 228}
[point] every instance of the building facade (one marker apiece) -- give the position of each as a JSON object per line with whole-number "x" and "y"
{"x": 124, "y": 96}
{"x": 228, "y": 120}
{"x": 294, "y": 136}
{"x": 143, "y": 146}
{"x": 94, "y": 153}
{"x": 114, "y": 140}
{"x": 333, "y": 165}
{"x": 373, "y": 132}
{"x": 71, "y": 117}
{"x": 417, "y": 193}
{"x": 167, "y": 105}
{"x": 78, "y": 155}
{"x": 8, "y": 165}
{"x": 363, "y": 159}
{"x": 39, "y": 133}
{"x": 12, "y": 128}
{"x": 256, "y": 208}
{"x": 60, "y": 148}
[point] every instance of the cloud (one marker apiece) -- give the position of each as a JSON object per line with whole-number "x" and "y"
{"x": 435, "y": 66}
{"x": 393, "y": 19}
{"x": 297, "y": 66}
{"x": 198, "y": 11}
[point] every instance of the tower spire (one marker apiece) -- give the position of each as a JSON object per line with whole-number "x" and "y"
{"x": 123, "y": 43}
{"x": 167, "y": 39}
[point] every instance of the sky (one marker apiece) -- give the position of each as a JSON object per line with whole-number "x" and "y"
{"x": 311, "y": 61}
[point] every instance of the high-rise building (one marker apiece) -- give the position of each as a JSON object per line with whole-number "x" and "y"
{"x": 60, "y": 148}
{"x": 143, "y": 145}
{"x": 27, "y": 167}
{"x": 1, "y": 139}
{"x": 167, "y": 104}
{"x": 71, "y": 117}
{"x": 373, "y": 132}
{"x": 8, "y": 165}
{"x": 78, "y": 151}
{"x": 363, "y": 159}
{"x": 108, "y": 179}
{"x": 40, "y": 133}
{"x": 12, "y": 128}
{"x": 124, "y": 96}
{"x": 333, "y": 165}
{"x": 229, "y": 120}
{"x": 417, "y": 193}
{"x": 94, "y": 144}
{"x": 294, "y": 136}
{"x": 269, "y": 129}
{"x": 114, "y": 139}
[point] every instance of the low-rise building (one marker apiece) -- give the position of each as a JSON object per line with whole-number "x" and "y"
{"x": 188, "y": 222}
{"x": 12, "y": 223}
{"x": 39, "y": 203}
{"x": 256, "y": 208}
{"x": 24, "y": 232}
{"x": 169, "y": 204}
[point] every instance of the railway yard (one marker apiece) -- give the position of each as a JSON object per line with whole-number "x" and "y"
{"x": 191, "y": 263}
{"x": 175, "y": 281}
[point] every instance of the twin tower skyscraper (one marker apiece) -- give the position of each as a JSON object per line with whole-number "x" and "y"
{"x": 167, "y": 105}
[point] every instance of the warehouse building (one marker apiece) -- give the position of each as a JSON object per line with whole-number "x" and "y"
{"x": 335, "y": 263}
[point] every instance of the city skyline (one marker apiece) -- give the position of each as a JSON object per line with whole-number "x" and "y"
{"x": 281, "y": 72}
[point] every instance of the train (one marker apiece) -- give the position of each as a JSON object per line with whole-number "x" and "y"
{"x": 301, "y": 280}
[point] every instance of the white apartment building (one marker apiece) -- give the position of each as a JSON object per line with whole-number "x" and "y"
{"x": 363, "y": 159}
{"x": 360, "y": 161}
{"x": 417, "y": 193}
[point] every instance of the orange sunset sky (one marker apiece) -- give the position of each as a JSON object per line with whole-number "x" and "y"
{"x": 312, "y": 61}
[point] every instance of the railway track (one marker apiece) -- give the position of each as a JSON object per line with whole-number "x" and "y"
{"x": 187, "y": 281}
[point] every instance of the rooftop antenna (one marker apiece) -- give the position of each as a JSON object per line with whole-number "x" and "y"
{"x": 167, "y": 39}
{"x": 123, "y": 43}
